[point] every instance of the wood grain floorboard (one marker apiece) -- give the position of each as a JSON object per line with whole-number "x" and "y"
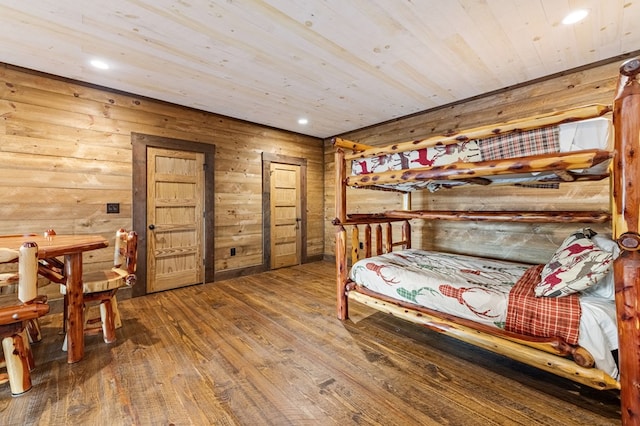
{"x": 267, "y": 349}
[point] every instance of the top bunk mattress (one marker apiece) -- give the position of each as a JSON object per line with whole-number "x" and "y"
{"x": 591, "y": 134}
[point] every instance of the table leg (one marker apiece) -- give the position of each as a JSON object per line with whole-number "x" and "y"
{"x": 74, "y": 320}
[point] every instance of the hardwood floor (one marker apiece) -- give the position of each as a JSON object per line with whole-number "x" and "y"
{"x": 268, "y": 349}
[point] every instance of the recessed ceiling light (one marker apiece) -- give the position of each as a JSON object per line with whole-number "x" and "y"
{"x": 303, "y": 121}
{"x": 97, "y": 63}
{"x": 575, "y": 16}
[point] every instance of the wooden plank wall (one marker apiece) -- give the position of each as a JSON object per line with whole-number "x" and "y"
{"x": 530, "y": 243}
{"x": 65, "y": 150}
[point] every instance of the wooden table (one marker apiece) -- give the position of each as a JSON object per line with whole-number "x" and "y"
{"x": 71, "y": 247}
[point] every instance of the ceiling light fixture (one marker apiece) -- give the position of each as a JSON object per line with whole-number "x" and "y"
{"x": 97, "y": 63}
{"x": 303, "y": 121}
{"x": 575, "y": 16}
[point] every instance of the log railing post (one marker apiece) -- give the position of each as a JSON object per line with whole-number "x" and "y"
{"x": 367, "y": 241}
{"x": 406, "y": 235}
{"x": 626, "y": 230}
{"x": 355, "y": 244}
{"x": 378, "y": 239}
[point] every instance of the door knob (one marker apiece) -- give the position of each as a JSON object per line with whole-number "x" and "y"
{"x": 152, "y": 227}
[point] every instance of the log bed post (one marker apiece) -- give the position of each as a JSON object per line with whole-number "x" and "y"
{"x": 341, "y": 273}
{"x": 626, "y": 227}
{"x": 341, "y": 190}
{"x": 341, "y": 235}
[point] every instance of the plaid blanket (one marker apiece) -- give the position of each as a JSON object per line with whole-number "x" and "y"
{"x": 520, "y": 144}
{"x": 542, "y": 316}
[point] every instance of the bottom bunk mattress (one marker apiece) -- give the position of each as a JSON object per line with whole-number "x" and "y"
{"x": 478, "y": 289}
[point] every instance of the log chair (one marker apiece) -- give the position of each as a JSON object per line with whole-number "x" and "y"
{"x": 102, "y": 286}
{"x": 15, "y": 316}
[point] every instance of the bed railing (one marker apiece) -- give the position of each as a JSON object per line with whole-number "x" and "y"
{"x": 384, "y": 242}
{"x": 381, "y": 240}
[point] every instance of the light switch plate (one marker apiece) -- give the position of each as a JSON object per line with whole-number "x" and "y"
{"x": 113, "y": 207}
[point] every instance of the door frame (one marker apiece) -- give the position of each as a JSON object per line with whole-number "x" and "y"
{"x": 267, "y": 159}
{"x": 140, "y": 142}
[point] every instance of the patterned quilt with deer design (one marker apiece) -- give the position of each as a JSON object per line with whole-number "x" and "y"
{"x": 465, "y": 286}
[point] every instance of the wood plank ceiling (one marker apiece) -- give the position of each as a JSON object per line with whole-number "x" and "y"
{"x": 342, "y": 64}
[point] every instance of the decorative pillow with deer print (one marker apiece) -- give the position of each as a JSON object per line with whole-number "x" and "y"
{"x": 578, "y": 264}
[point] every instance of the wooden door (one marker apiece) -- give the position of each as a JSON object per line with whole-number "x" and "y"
{"x": 285, "y": 215}
{"x": 175, "y": 194}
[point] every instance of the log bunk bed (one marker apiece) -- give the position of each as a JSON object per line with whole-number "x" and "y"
{"x": 362, "y": 166}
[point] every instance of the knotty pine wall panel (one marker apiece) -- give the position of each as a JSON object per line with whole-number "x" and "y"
{"x": 524, "y": 242}
{"x": 66, "y": 152}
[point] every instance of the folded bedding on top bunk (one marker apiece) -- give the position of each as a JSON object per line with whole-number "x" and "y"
{"x": 568, "y": 137}
{"x": 477, "y": 289}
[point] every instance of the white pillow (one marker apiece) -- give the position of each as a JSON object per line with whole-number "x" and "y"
{"x": 605, "y": 288}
